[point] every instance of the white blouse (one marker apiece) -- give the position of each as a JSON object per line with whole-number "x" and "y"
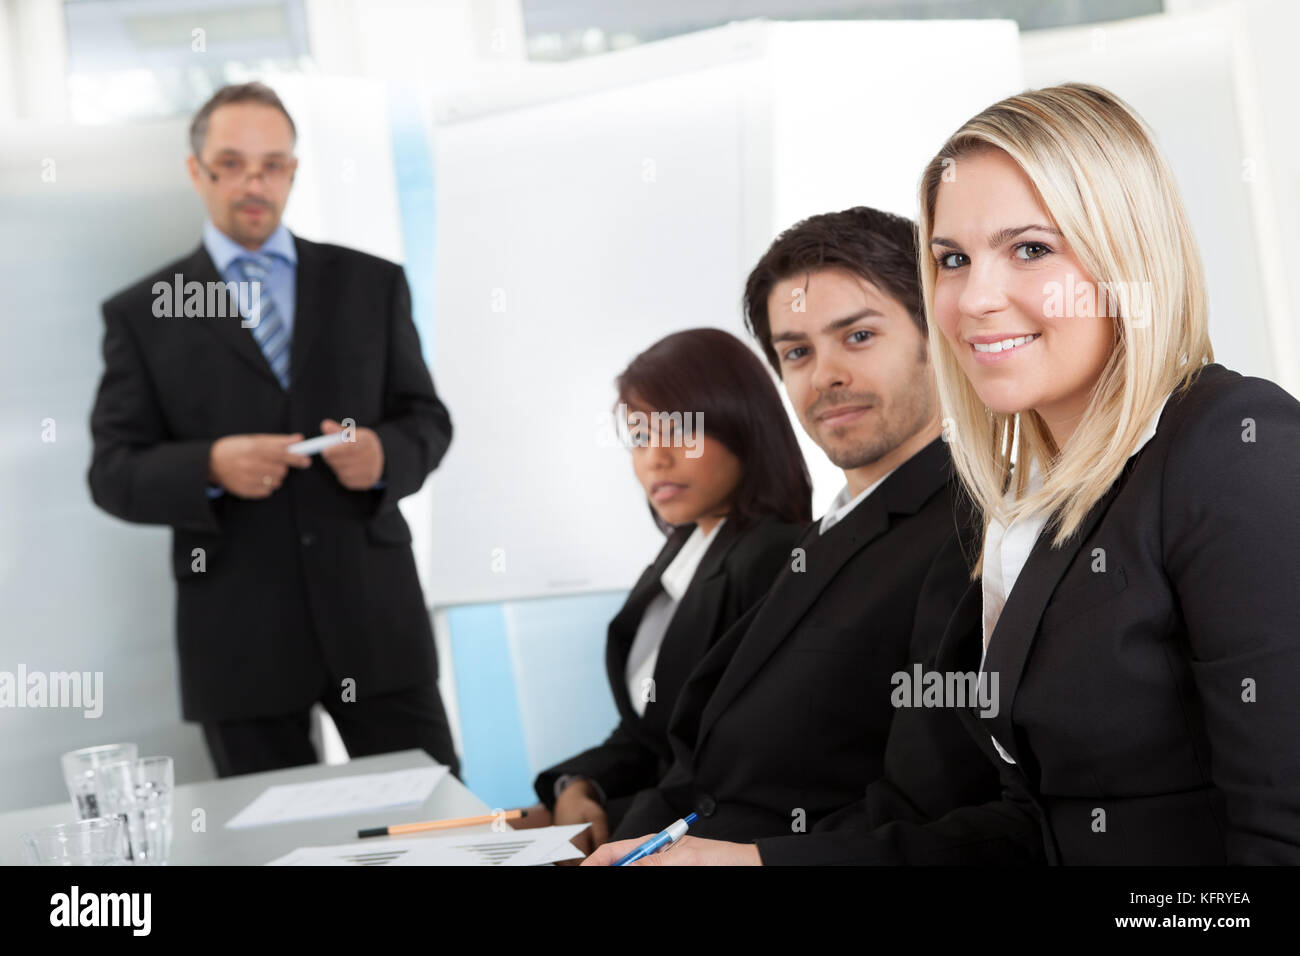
{"x": 1006, "y": 549}
{"x": 644, "y": 653}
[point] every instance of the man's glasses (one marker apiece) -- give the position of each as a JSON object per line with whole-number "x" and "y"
{"x": 229, "y": 170}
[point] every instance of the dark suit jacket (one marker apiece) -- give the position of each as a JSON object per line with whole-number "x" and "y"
{"x": 316, "y": 583}
{"x": 732, "y": 577}
{"x": 785, "y": 721}
{"x": 1150, "y": 707}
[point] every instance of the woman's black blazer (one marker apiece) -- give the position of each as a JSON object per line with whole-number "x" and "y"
{"x": 733, "y": 576}
{"x": 1149, "y": 671}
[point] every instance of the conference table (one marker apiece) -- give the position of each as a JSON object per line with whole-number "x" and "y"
{"x": 222, "y": 799}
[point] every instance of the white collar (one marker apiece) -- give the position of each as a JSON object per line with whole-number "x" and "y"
{"x": 676, "y": 578}
{"x": 1150, "y": 431}
{"x": 842, "y": 504}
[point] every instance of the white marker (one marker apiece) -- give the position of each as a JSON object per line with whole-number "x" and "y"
{"x": 318, "y": 444}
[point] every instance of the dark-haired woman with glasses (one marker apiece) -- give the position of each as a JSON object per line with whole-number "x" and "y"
{"x": 712, "y": 447}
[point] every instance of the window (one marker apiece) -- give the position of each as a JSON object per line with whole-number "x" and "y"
{"x": 566, "y": 29}
{"x": 141, "y": 59}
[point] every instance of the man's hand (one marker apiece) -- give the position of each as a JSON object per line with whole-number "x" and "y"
{"x": 689, "y": 851}
{"x": 358, "y": 464}
{"x": 577, "y": 803}
{"x": 253, "y": 466}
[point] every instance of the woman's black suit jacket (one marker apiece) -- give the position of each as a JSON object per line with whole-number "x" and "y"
{"x": 1149, "y": 671}
{"x": 733, "y": 576}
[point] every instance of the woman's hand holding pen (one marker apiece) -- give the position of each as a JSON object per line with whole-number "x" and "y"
{"x": 689, "y": 851}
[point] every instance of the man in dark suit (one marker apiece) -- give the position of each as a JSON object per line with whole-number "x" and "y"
{"x": 295, "y": 577}
{"x": 784, "y": 723}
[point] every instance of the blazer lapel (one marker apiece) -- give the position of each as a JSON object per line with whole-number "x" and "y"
{"x": 1017, "y": 627}
{"x": 687, "y": 639}
{"x": 229, "y": 330}
{"x": 623, "y": 627}
{"x": 959, "y": 649}
{"x": 959, "y": 653}
{"x": 793, "y": 593}
{"x": 309, "y": 298}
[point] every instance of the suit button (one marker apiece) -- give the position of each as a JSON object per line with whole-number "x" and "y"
{"x": 706, "y": 805}
{"x": 308, "y": 540}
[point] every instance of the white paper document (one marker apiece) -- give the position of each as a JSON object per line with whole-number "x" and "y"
{"x": 340, "y": 796}
{"x": 508, "y": 848}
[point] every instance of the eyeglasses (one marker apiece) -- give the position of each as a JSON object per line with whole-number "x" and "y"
{"x": 229, "y": 170}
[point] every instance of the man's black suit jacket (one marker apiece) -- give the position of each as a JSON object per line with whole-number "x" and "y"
{"x": 785, "y": 721}
{"x": 732, "y": 577}
{"x": 1147, "y": 669}
{"x": 315, "y": 584}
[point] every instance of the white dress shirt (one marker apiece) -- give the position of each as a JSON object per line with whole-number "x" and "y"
{"x": 1006, "y": 549}
{"x": 842, "y": 504}
{"x": 676, "y": 578}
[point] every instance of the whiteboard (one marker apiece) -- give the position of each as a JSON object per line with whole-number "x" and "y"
{"x": 584, "y": 231}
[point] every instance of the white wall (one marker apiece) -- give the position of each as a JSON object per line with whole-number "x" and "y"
{"x": 81, "y": 591}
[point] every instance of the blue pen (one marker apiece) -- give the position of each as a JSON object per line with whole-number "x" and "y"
{"x": 660, "y": 841}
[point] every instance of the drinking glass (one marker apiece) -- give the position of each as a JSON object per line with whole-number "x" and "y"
{"x": 97, "y": 842}
{"x": 140, "y": 792}
{"x": 79, "y": 772}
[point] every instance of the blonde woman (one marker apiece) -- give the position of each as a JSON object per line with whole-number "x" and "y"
{"x": 1138, "y": 593}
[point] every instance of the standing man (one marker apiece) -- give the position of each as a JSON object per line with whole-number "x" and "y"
{"x": 295, "y": 577}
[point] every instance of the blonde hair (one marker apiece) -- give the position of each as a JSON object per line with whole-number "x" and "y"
{"x": 1108, "y": 190}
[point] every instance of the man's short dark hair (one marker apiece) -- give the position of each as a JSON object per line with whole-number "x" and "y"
{"x": 237, "y": 93}
{"x": 878, "y": 246}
